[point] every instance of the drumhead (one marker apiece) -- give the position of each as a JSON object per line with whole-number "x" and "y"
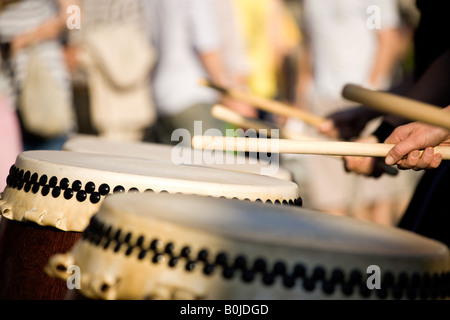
{"x": 172, "y": 246}
{"x": 63, "y": 189}
{"x": 156, "y": 151}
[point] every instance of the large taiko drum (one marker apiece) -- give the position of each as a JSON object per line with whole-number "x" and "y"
{"x": 177, "y": 154}
{"x": 51, "y": 196}
{"x": 162, "y": 246}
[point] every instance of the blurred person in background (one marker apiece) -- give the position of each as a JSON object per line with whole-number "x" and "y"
{"x": 40, "y": 24}
{"x": 188, "y": 42}
{"x": 233, "y": 54}
{"x": 271, "y": 34}
{"x": 340, "y": 48}
{"x": 110, "y": 59}
{"x": 10, "y": 136}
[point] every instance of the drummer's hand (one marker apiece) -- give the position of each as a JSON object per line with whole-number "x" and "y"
{"x": 359, "y": 165}
{"x": 328, "y": 129}
{"x": 367, "y": 166}
{"x": 411, "y": 138}
{"x": 346, "y": 124}
{"x": 240, "y": 107}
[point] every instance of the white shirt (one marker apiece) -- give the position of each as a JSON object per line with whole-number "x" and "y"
{"x": 179, "y": 29}
{"x": 343, "y": 45}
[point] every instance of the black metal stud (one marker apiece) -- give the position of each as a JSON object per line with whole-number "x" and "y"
{"x": 103, "y": 189}
{"x": 64, "y": 183}
{"x": 81, "y": 196}
{"x": 95, "y": 197}
{"x": 53, "y": 181}
{"x": 68, "y": 194}
{"x": 76, "y": 185}
{"x": 45, "y": 190}
{"x": 119, "y": 189}
{"x": 89, "y": 187}
{"x": 56, "y": 192}
{"x": 43, "y": 180}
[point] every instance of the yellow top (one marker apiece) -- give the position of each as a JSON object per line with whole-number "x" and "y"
{"x": 270, "y": 32}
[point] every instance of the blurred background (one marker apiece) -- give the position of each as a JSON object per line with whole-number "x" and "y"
{"x": 129, "y": 70}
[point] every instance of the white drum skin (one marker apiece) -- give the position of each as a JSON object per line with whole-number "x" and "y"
{"x": 156, "y": 151}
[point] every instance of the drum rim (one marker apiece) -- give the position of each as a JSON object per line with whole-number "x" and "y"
{"x": 19, "y": 179}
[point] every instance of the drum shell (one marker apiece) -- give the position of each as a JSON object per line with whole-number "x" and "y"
{"x": 25, "y": 249}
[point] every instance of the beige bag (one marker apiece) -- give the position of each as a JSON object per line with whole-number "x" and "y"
{"x": 118, "y": 60}
{"x": 43, "y": 108}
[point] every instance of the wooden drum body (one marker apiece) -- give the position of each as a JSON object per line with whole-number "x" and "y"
{"x": 24, "y": 248}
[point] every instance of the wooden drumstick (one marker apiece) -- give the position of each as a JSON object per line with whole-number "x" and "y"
{"x": 226, "y": 114}
{"x": 332, "y": 148}
{"x": 272, "y": 106}
{"x": 397, "y": 105}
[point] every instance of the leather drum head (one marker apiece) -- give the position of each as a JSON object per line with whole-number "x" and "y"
{"x": 157, "y": 151}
